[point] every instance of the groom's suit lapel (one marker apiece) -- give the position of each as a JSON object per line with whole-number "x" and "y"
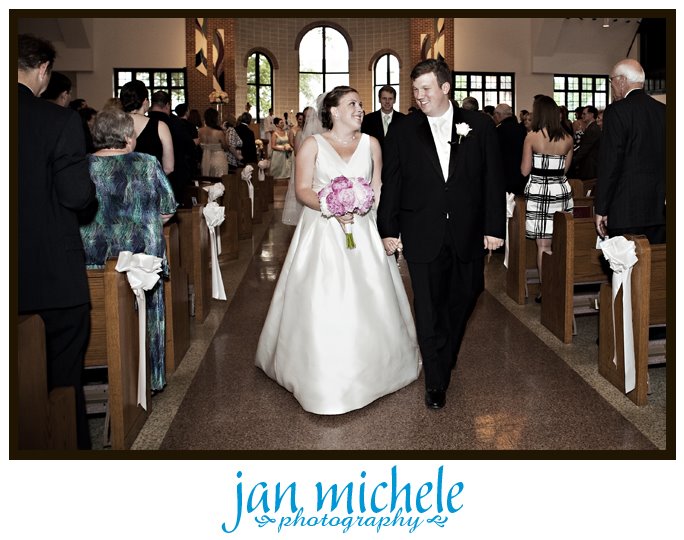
{"x": 426, "y": 139}
{"x": 453, "y": 157}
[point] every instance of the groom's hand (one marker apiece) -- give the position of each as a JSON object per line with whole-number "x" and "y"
{"x": 391, "y": 245}
{"x": 491, "y": 243}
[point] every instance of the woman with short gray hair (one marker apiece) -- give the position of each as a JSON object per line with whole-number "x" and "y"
{"x": 135, "y": 199}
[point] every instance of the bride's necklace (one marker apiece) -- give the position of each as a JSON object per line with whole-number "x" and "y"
{"x": 353, "y": 138}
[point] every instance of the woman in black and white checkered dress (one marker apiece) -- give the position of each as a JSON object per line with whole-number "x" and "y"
{"x": 547, "y": 154}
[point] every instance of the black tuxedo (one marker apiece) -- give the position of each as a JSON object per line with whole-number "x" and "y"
{"x": 442, "y": 226}
{"x": 54, "y": 186}
{"x": 511, "y": 136}
{"x": 631, "y": 175}
{"x": 585, "y": 159}
{"x": 372, "y": 124}
{"x": 248, "y": 143}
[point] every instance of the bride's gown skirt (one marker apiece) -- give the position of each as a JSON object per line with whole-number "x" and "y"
{"x": 339, "y": 332}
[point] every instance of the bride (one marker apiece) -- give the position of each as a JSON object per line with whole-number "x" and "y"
{"x": 339, "y": 332}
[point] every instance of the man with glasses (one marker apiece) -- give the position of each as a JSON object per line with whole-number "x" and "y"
{"x": 630, "y": 193}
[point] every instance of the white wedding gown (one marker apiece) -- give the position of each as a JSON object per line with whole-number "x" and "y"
{"x": 339, "y": 332}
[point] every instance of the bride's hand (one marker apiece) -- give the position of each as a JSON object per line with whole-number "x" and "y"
{"x": 346, "y": 219}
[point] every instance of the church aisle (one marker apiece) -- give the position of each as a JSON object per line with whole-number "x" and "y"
{"x": 510, "y": 391}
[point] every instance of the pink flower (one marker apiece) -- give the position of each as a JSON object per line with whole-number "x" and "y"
{"x": 340, "y": 183}
{"x": 343, "y": 195}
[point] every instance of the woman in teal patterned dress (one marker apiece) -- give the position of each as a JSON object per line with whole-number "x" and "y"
{"x": 134, "y": 199}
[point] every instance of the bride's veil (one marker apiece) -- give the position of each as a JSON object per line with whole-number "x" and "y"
{"x": 312, "y": 119}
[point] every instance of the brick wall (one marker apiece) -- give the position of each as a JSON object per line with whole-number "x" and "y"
{"x": 277, "y": 37}
{"x": 199, "y": 85}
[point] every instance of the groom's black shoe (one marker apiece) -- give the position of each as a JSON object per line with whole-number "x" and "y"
{"x": 435, "y": 399}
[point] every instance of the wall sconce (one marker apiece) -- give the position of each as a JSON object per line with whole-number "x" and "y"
{"x": 606, "y": 22}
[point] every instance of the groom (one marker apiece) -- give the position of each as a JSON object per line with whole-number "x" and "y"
{"x": 443, "y": 192}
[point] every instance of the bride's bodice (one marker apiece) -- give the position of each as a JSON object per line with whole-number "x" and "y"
{"x": 330, "y": 165}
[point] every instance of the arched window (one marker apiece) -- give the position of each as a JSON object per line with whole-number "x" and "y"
{"x": 259, "y": 85}
{"x": 323, "y": 63}
{"x": 386, "y": 71}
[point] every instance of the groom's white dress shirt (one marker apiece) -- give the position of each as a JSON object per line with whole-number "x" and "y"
{"x": 441, "y": 133}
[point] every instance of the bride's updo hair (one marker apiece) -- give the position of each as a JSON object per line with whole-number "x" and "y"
{"x": 332, "y": 99}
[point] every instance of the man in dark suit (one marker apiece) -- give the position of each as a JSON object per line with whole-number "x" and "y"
{"x": 443, "y": 193}
{"x": 183, "y": 145}
{"x": 377, "y": 123}
{"x": 585, "y": 158}
{"x": 630, "y": 192}
{"x": 511, "y": 136}
{"x": 53, "y": 187}
{"x": 243, "y": 130}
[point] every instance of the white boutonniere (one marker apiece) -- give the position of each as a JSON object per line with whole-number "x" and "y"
{"x": 462, "y": 130}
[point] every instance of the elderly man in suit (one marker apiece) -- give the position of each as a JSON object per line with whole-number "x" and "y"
{"x": 443, "y": 194}
{"x": 630, "y": 192}
{"x": 511, "y": 136}
{"x": 377, "y": 123}
{"x": 53, "y": 187}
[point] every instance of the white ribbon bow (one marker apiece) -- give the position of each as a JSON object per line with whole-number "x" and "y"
{"x": 142, "y": 272}
{"x": 214, "y": 191}
{"x": 247, "y": 177}
{"x": 214, "y": 216}
{"x": 621, "y": 255}
{"x": 510, "y": 206}
{"x": 263, "y": 165}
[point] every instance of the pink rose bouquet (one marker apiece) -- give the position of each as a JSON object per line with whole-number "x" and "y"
{"x": 346, "y": 195}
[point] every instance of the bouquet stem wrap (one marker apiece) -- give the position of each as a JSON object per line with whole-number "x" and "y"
{"x": 350, "y": 237}
{"x": 142, "y": 272}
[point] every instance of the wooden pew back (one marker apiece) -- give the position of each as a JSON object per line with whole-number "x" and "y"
{"x": 45, "y": 420}
{"x": 176, "y": 302}
{"x": 648, "y": 309}
{"x": 575, "y": 260}
{"x": 196, "y": 257}
{"x": 114, "y": 344}
{"x": 521, "y": 274}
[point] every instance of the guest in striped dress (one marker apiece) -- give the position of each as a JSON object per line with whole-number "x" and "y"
{"x": 547, "y": 154}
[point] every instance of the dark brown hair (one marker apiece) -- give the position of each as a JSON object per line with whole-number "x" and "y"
{"x": 439, "y": 67}
{"x": 546, "y": 115}
{"x": 332, "y": 99}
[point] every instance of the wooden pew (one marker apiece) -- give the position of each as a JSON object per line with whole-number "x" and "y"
{"x": 46, "y": 420}
{"x": 577, "y": 187}
{"x": 574, "y": 261}
{"x": 648, "y": 310}
{"x": 270, "y": 184}
{"x": 114, "y": 344}
{"x": 176, "y": 302}
{"x": 230, "y": 240}
{"x": 522, "y": 277}
{"x": 583, "y": 207}
{"x": 238, "y": 201}
{"x": 196, "y": 258}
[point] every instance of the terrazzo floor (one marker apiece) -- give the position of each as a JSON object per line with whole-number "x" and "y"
{"x": 516, "y": 387}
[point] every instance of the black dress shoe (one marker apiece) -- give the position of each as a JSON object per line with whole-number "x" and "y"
{"x": 435, "y": 399}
